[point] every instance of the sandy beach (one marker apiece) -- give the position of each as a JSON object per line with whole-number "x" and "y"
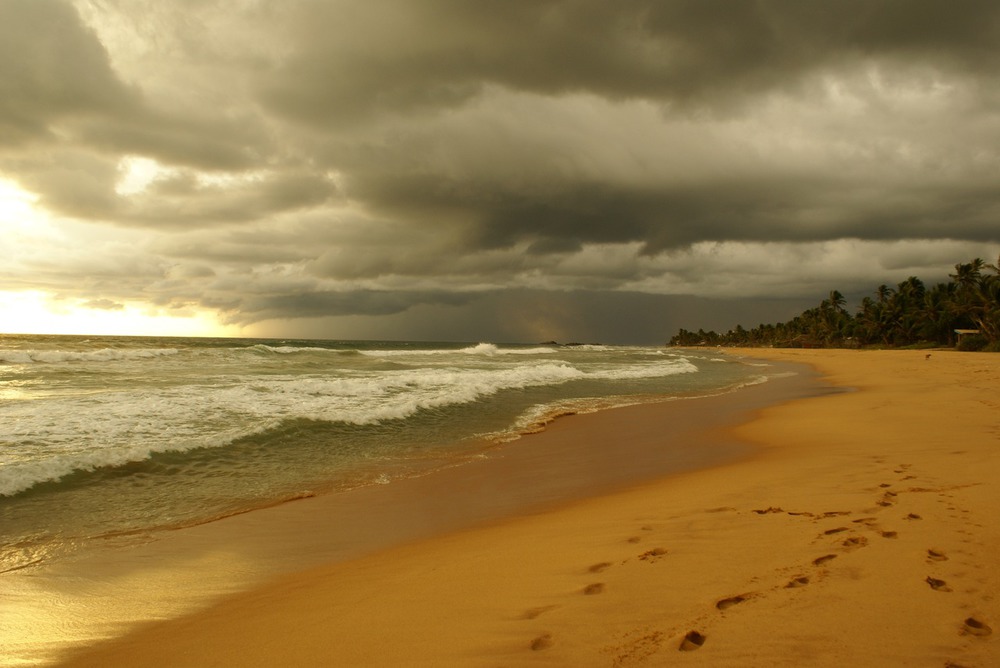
{"x": 862, "y": 531}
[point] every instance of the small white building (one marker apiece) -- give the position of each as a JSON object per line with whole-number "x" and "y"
{"x": 964, "y": 332}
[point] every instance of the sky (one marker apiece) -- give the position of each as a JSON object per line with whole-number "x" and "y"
{"x": 497, "y": 170}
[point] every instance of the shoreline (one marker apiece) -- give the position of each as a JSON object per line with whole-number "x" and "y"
{"x": 88, "y": 597}
{"x": 861, "y": 530}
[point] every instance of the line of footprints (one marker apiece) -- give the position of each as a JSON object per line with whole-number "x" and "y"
{"x": 695, "y": 639}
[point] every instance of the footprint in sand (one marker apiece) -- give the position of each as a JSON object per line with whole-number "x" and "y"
{"x": 692, "y": 641}
{"x": 597, "y": 568}
{"x": 937, "y": 585}
{"x": 731, "y": 601}
{"x": 535, "y": 612}
{"x": 889, "y": 534}
{"x": 936, "y": 555}
{"x": 596, "y": 588}
{"x": 543, "y": 641}
{"x": 974, "y": 627}
{"x": 650, "y": 555}
{"x": 913, "y": 516}
{"x": 826, "y": 558}
{"x": 800, "y": 581}
{"x": 855, "y": 542}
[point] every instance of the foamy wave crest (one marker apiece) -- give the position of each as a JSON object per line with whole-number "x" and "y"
{"x": 103, "y": 355}
{"x": 114, "y": 428}
{"x": 655, "y": 370}
{"x": 17, "y": 477}
{"x": 483, "y": 349}
{"x": 371, "y": 399}
{"x": 491, "y": 349}
{"x": 536, "y": 418}
{"x": 400, "y": 353}
{"x": 289, "y": 350}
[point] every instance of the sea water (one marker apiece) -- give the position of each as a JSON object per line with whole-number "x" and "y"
{"x": 129, "y": 436}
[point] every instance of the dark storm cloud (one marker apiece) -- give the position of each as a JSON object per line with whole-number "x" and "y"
{"x": 83, "y": 184}
{"x": 51, "y": 68}
{"x": 356, "y": 60}
{"x": 57, "y": 86}
{"x": 540, "y": 316}
{"x": 365, "y": 66}
{"x": 205, "y": 143}
{"x": 324, "y": 304}
{"x": 757, "y": 208}
{"x": 183, "y": 201}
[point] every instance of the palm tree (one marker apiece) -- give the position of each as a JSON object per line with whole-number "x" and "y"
{"x": 906, "y": 314}
{"x": 967, "y": 275}
{"x": 837, "y": 301}
{"x": 988, "y": 315}
{"x": 937, "y": 315}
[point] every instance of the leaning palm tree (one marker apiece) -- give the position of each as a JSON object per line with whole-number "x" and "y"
{"x": 985, "y": 312}
{"x": 968, "y": 274}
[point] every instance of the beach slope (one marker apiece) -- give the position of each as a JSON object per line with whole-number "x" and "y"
{"x": 864, "y": 531}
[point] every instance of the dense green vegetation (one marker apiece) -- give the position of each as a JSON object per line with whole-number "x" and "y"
{"x": 910, "y": 314}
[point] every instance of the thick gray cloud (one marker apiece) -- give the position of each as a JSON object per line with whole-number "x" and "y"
{"x": 353, "y": 61}
{"x": 440, "y": 161}
{"x": 51, "y": 68}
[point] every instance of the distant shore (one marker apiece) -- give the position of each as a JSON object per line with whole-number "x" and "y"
{"x": 861, "y": 531}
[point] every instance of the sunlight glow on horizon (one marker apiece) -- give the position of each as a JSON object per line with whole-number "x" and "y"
{"x": 37, "y": 312}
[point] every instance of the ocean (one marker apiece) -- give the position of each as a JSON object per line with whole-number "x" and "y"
{"x": 130, "y": 436}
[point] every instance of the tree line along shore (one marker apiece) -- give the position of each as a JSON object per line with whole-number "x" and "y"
{"x": 963, "y": 312}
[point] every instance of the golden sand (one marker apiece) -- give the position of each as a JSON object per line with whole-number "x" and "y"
{"x": 864, "y": 532}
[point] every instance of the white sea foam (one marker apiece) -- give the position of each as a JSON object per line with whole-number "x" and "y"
{"x": 407, "y": 353}
{"x": 90, "y": 432}
{"x": 490, "y": 349}
{"x": 481, "y": 349}
{"x": 290, "y": 350}
{"x": 102, "y": 355}
{"x": 87, "y": 431}
{"x": 652, "y": 370}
